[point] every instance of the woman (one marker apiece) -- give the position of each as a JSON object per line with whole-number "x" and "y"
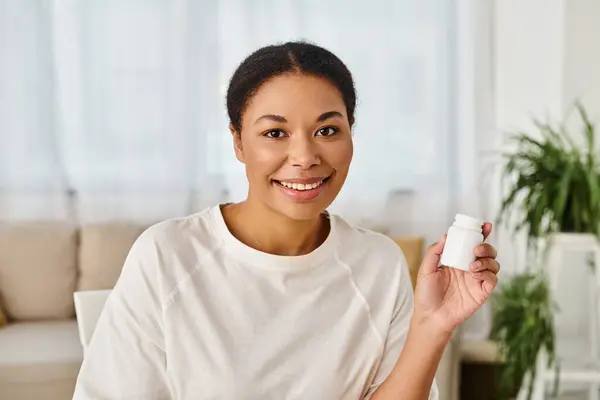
{"x": 274, "y": 298}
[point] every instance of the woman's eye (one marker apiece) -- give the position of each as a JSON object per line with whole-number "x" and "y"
{"x": 327, "y": 131}
{"x": 275, "y": 134}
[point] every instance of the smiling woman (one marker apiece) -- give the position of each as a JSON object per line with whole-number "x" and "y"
{"x": 274, "y": 297}
{"x": 305, "y": 135}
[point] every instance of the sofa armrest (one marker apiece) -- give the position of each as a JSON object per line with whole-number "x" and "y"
{"x": 481, "y": 352}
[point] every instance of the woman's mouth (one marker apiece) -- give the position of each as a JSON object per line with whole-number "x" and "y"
{"x": 302, "y": 189}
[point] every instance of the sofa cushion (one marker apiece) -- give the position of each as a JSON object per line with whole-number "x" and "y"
{"x": 37, "y": 270}
{"x": 412, "y": 247}
{"x": 40, "y": 342}
{"x": 103, "y": 249}
{"x": 39, "y": 360}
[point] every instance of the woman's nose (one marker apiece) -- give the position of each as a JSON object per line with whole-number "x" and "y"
{"x": 303, "y": 153}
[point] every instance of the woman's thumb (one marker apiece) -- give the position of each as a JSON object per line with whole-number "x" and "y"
{"x": 432, "y": 256}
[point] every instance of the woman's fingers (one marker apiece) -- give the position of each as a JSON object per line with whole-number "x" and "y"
{"x": 488, "y": 278}
{"x": 432, "y": 257}
{"x": 486, "y": 229}
{"x": 485, "y": 250}
{"x": 485, "y": 264}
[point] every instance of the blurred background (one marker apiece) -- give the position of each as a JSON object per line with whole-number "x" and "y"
{"x": 112, "y": 117}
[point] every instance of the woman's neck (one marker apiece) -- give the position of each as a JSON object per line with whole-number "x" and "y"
{"x": 266, "y": 230}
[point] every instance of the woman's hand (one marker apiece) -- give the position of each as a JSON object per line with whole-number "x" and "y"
{"x": 445, "y": 297}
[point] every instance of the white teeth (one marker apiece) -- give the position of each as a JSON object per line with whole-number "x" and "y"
{"x": 302, "y": 186}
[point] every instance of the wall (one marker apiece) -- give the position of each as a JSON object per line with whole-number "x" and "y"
{"x": 528, "y": 70}
{"x": 547, "y": 53}
{"x": 582, "y": 54}
{"x": 581, "y": 80}
{"x": 517, "y": 73}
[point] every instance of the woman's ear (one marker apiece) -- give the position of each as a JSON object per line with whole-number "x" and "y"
{"x": 237, "y": 144}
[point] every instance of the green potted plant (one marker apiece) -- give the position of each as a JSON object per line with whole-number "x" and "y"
{"x": 522, "y": 326}
{"x": 553, "y": 182}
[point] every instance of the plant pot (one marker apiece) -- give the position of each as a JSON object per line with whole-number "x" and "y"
{"x": 575, "y": 240}
{"x": 561, "y": 243}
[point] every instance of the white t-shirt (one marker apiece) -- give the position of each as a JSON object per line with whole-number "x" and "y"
{"x": 197, "y": 314}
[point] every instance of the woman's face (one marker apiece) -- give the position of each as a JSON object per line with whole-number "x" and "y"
{"x": 296, "y": 144}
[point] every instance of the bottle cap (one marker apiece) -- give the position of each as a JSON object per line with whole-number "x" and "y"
{"x": 467, "y": 222}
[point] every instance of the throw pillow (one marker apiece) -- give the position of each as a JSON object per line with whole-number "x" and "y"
{"x": 2, "y": 318}
{"x": 412, "y": 247}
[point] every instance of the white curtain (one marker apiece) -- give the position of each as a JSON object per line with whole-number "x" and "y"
{"x": 121, "y": 104}
{"x": 138, "y": 98}
{"x": 30, "y": 179}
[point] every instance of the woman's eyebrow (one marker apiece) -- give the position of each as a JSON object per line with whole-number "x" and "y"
{"x": 271, "y": 117}
{"x": 281, "y": 119}
{"x": 329, "y": 114}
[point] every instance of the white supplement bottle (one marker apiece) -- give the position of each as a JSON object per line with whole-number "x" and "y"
{"x": 463, "y": 236}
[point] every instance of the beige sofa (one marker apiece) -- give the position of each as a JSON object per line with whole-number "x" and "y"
{"x": 42, "y": 264}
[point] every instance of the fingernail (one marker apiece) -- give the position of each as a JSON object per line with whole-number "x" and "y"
{"x": 477, "y": 265}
